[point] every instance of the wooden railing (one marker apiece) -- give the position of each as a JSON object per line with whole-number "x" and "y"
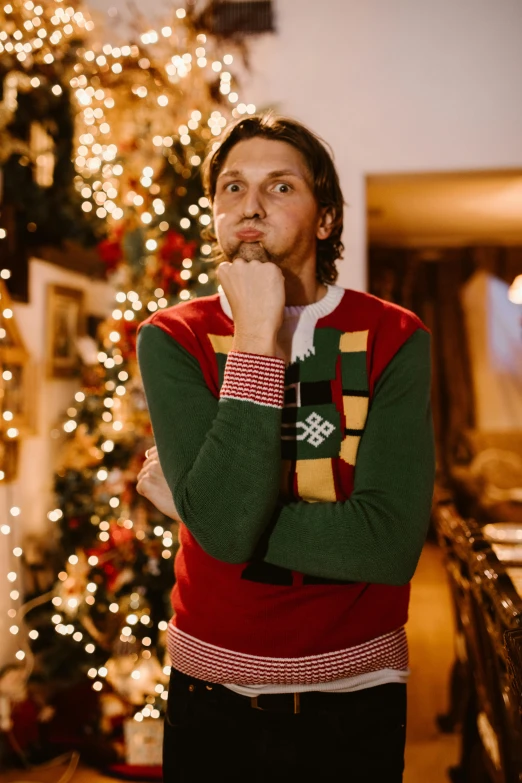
{"x": 486, "y": 682}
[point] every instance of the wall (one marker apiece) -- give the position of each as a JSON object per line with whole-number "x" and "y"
{"x": 393, "y": 85}
{"x": 402, "y": 86}
{"x": 32, "y": 492}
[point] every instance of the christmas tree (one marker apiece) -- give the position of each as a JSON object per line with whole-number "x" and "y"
{"x": 38, "y": 53}
{"x": 145, "y": 114}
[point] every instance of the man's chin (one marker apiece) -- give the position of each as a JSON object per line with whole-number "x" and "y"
{"x": 252, "y": 251}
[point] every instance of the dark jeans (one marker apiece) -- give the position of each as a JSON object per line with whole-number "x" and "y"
{"x": 213, "y": 734}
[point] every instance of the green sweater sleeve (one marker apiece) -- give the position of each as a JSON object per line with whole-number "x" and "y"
{"x": 222, "y": 463}
{"x": 377, "y": 535}
{"x": 221, "y": 459}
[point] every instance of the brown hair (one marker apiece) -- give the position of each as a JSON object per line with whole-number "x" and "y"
{"x": 319, "y": 161}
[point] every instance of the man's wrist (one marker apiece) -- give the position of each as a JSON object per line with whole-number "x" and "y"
{"x": 263, "y": 345}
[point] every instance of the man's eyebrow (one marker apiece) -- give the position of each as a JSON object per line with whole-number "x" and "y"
{"x": 270, "y": 175}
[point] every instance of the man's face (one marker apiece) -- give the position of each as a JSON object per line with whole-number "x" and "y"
{"x": 264, "y": 206}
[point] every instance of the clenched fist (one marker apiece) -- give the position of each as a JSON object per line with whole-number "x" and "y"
{"x": 256, "y": 293}
{"x": 153, "y": 486}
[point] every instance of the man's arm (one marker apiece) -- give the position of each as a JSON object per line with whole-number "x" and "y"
{"x": 221, "y": 459}
{"x": 152, "y": 485}
{"x": 374, "y": 536}
{"x": 377, "y": 535}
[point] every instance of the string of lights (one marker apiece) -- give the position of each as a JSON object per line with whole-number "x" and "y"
{"x": 11, "y": 433}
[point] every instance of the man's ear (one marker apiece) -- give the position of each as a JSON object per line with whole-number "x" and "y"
{"x": 325, "y": 225}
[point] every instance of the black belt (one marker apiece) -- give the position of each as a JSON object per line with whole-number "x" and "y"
{"x": 290, "y": 703}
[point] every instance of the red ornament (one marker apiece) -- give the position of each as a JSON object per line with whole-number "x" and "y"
{"x": 127, "y": 345}
{"x": 110, "y": 252}
{"x": 171, "y": 254}
{"x": 175, "y": 248}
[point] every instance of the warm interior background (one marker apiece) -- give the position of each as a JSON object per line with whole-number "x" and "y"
{"x": 420, "y": 102}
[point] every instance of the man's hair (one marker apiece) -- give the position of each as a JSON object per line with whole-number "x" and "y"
{"x": 318, "y": 160}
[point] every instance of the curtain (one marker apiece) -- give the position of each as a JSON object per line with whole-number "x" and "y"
{"x": 429, "y": 282}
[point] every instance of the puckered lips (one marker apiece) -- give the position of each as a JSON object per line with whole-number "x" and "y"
{"x": 249, "y": 235}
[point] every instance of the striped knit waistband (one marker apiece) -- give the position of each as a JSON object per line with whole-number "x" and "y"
{"x": 215, "y": 664}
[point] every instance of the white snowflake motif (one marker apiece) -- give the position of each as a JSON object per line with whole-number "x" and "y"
{"x": 315, "y": 430}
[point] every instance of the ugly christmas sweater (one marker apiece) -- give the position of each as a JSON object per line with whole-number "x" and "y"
{"x": 304, "y": 490}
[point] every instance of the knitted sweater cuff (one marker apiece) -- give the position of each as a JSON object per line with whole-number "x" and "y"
{"x": 254, "y": 378}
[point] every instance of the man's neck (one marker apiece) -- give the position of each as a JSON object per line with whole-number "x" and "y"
{"x": 302, "y": 290}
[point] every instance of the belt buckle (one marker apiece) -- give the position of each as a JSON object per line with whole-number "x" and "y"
{"x": 297, "y": 703}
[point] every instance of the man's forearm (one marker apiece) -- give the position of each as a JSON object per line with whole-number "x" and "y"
{"x": 378, "y": 533}
{"x": 221, "y": 459}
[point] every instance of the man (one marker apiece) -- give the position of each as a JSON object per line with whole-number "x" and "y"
{"x": 293, "y": 428}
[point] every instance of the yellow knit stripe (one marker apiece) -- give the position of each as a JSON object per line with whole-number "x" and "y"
{"x": 315, "y": 480}
{"x": 355, "y": 412}
{"x": 353, "y": 342}
{"x": 221, "y": 343}
{"x": 349, "y": 448}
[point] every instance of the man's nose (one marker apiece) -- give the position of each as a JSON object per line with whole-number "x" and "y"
{"x": 253, "y": 205}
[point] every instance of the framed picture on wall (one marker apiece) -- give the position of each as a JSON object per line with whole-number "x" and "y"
{"x": 9, "y": 458}
{"x": 17, "y": 385}
{"x": 65, "y": 324}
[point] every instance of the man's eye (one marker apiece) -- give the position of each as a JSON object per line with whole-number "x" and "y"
{"x": 233, "y": 187}
{"x": 286, "y": 188}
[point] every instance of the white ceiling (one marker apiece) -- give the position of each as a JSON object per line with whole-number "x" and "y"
{"x": 445, "y": 210}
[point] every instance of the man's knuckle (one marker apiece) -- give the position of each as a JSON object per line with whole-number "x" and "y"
{"x": 223, "y": 269}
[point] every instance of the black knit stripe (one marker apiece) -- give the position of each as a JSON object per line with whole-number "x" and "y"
{"x": 355, "y": 393}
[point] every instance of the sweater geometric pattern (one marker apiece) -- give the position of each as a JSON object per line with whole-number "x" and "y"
{"x": 313, "y": 426}
{"x": 307, "y": 582}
